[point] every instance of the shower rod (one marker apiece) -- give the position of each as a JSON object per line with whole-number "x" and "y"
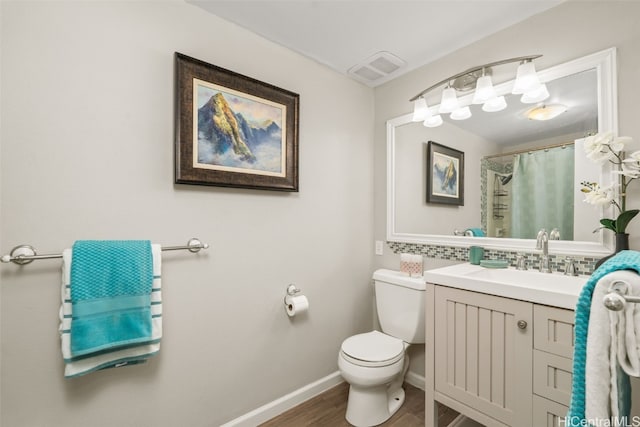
{"x": 530, "y": 150}
{"x": 25, "y": 254}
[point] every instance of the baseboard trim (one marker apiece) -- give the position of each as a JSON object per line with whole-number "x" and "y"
{"x": 415, "y": 380}
{"x": 278, "y": 406}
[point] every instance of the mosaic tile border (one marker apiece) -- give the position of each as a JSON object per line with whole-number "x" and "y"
{"x": 584, "y": 265}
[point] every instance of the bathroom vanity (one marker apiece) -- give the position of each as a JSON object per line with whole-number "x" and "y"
{"x": 500, "y": 344}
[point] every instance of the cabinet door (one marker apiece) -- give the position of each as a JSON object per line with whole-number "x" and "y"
{"x": 483, "y": 358}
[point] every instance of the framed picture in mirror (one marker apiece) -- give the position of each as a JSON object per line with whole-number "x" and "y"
{"x": 445, "y": 175}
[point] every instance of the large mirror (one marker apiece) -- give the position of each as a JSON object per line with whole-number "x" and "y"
{"x": 493, "y": 145}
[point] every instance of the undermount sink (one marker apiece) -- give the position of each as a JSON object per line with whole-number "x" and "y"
{"x": 554, "y": 289}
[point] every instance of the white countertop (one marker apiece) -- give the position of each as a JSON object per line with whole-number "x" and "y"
{"x": 554, "y": 289}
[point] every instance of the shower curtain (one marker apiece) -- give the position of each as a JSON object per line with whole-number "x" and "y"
{"x": 542, "y": 196}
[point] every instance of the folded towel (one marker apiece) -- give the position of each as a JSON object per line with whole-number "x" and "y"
{"x": 607, "y": 394}
{"x": 475, "y": 232}
{"x": 135, "y": 353}
{"x": 627, "y": 322}
{"x": 624, "y": 260}
{"x": 110, "y": 293}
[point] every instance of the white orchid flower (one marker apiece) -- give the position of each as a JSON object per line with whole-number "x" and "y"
{"x": 629, "y": 171}
{"x": 633, "y": 158}
{"x": 618, "y": 144}
{"x": 599, "y": 196}
{"x": 597, "y": 147}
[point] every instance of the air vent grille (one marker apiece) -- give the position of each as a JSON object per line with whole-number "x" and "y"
{"x": 377, "y": 69}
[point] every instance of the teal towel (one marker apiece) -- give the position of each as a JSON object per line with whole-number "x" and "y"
{"x": 625, "y": 260}
{"x": 476, "y": 232}
{"x": 111, "y": 285}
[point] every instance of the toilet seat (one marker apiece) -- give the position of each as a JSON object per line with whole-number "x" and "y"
{"x": 372, "y": 349}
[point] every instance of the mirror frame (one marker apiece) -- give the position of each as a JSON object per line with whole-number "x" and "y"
{"x": 605, "y": 64}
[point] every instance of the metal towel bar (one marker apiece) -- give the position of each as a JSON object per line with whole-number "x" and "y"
{"x": 616, "y": 301}
{"x": 25, "y": 254}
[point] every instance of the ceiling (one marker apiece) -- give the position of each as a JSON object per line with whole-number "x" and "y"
{"x": 347, "y": 34}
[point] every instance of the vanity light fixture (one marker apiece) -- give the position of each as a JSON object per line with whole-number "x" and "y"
{"x": 420, "y": 110}
{"x": 462, "y": 113}
{"x": 433, "y": 121}
{"x": 495, "y": 104}
{"x": 449, "y": 102}
{"x": 546, "y": 112}
{"x": 526, "y": 83}
{"x": 484, "y": 90}
{"x": 536, "y": 95}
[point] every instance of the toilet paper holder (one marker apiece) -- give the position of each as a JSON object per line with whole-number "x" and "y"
{"x": 295, "y": 304}
{"x": 291, "y": 291}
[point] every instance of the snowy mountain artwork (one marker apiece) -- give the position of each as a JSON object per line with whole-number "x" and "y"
{"x": 238, "y": 131}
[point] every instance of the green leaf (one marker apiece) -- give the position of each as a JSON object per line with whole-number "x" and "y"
{"x": 608, "y": 224}
{"x": 624, "y": 218}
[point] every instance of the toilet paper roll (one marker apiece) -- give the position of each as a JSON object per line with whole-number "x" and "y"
{"x": 296, "y": 305}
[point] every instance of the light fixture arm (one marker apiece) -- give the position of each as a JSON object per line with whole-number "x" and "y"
{"x": 473, "y": 70}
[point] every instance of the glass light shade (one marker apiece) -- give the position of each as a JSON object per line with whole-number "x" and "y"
{"x": 420, "y": 110}
{"x": 526, "y": 79}
{"x": 535, "y": 96}
{"x": 484, "y": 90}
{"x": 449, "y": 101}
{"x": 495, "y": 104}
{"x": 462, "y": 113}
{"x": 433, "y": 121}
{"x": 546, "y": 112}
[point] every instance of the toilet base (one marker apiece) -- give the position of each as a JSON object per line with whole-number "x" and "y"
{"x": 371, "y": 406}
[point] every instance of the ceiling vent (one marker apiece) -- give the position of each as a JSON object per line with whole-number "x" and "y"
{"x": 377, "y": 69}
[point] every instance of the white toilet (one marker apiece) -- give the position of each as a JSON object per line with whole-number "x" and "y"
{"x": 375, "y": 363}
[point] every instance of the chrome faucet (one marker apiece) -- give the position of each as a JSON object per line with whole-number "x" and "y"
{"x": 570, "y": 268}
{"x": 542, "y": 243}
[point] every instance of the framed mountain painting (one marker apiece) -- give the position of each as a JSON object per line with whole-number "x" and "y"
{"x": 445, "y": 175}
{"x": 233, "y": 130}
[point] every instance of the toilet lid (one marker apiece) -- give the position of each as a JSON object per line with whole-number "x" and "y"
{"x": 373, "y": 347}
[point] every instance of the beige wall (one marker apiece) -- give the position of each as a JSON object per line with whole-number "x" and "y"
{"x": 413, "y": 215}
{"x": 87, "y": 152}
{"x": 570, "y": 30}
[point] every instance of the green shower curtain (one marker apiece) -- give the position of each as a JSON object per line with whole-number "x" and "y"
{"x": 542, "y": 193}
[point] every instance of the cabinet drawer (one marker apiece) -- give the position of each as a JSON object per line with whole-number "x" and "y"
{"x": 547, "y": 413}
{"x": 554, "y": 330}
{"x": 552, "y": 376}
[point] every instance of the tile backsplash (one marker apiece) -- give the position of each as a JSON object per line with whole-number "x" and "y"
{"x": 584, "y": 265}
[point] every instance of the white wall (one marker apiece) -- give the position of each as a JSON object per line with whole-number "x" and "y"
{"x": 87, "y": 152}
{"x": 570, "y": 30}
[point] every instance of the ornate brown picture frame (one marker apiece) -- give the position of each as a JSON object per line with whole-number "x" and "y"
{"x": 233, "y": 130}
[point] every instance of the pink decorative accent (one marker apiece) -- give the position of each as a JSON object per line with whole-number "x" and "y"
{"x": 411, "y": 264}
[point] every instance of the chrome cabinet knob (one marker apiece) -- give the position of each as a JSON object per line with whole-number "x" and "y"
{"x": 522, "y": 324}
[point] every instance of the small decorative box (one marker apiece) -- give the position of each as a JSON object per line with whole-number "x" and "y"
{"x": 411, "y": 264}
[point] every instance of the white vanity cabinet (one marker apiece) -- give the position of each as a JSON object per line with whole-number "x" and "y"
{"x": 498, "y": 360}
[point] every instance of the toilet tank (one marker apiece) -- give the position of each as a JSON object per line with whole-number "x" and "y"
{"x": 400, "y": 304}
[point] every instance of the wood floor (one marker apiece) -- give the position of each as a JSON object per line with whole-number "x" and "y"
{"x": 328, "y": 410}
